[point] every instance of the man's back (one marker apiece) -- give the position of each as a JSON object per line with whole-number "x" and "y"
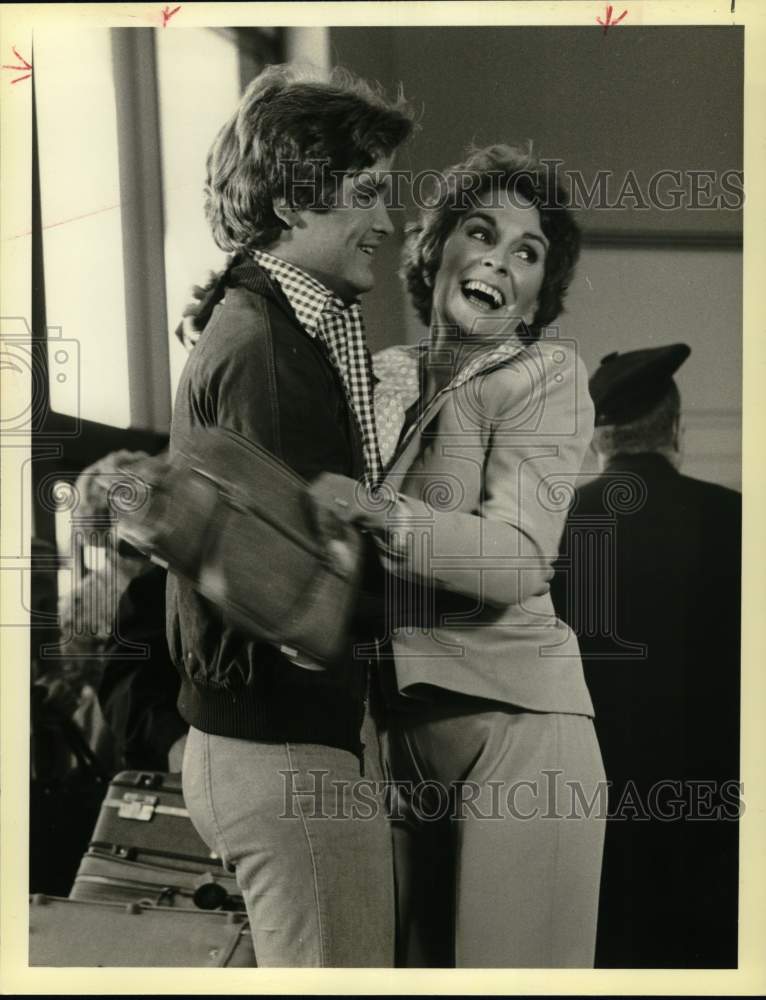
{"x": 649, "y": 578}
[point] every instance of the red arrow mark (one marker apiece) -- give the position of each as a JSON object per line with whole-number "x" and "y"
{"x": 20, "y": 69}
{"x": 167, "y": 13}
{"x": 608, "y": 22}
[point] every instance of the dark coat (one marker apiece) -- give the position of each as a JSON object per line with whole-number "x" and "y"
{"x": 138, "y": 693}
{"x": 256, "y": 371}
{"x": 649, "y": 578}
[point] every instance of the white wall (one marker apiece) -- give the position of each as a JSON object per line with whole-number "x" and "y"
{"x": 624, "y": 299}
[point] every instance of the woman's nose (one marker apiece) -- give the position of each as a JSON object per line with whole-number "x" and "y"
{"x": 496, "y": 263}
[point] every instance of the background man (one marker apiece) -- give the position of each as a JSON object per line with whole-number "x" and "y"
{"x": 649, "y": 577}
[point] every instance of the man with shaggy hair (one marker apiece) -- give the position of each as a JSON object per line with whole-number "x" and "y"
{"x": 295, "y": 190}
{"x": 649, "y": 578}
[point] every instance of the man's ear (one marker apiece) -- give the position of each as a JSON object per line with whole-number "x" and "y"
{"x": 287, "y": 214}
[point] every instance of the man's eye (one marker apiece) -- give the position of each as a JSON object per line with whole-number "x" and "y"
{"x": 364, "y": 193}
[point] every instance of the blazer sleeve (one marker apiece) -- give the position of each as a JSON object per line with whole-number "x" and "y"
{"x": 539, "y": 423}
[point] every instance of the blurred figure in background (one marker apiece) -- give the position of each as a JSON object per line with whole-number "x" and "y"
{"x": 649, "y": 578}
{"x": 117, "y": 665}
{"x": 67, "y": 782}
{"x": 132, "y": 711}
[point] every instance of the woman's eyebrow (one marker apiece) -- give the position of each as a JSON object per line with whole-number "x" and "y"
{"x": 489, "y": 220}
{"x": 536, "y": 236}
{"x": 479, "y": 215}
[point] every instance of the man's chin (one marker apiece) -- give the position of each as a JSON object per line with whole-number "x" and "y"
{"x": 360, "y": 286}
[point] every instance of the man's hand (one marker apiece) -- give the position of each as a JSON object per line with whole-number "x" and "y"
{"x": 350, "y": 501}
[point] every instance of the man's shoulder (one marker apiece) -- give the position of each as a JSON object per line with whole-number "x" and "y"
{"x": 613, "y": 487}
{"x": 713, "y": 495}
{"x": 244, "y": 325}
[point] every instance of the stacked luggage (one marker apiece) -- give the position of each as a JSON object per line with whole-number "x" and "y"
{"x": 148, "y": 891}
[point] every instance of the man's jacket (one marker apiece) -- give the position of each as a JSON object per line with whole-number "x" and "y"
{"x": 256, "y": 371}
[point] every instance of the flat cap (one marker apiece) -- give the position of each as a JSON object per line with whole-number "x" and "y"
{"x": 626, "y": 386}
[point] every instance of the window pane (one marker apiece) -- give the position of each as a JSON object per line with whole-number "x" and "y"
{"x": 198, "y": 72}
{"x": 82, "y": 230}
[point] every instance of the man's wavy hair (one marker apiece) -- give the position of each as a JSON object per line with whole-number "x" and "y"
{"x": 293, "y": 136}
{"x": 472, "y": 183}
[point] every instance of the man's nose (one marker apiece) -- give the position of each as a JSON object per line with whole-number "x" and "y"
{"x": 382, "y": 221}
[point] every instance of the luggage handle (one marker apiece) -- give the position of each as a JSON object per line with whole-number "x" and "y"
{"x": 130, "y": 853}
{"x": 135, "y": 806}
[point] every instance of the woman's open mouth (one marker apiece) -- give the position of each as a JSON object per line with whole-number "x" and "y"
{"x": 482, "y": 296}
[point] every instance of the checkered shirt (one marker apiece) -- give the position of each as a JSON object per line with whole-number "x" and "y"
{"x": 340, "y": 328}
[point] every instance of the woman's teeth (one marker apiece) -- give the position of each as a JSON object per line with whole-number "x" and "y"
{"x": 482, "y": 295}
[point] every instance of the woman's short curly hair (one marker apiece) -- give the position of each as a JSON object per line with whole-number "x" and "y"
{"x": 293, "y": 137}
{"x": 467, "y": 185}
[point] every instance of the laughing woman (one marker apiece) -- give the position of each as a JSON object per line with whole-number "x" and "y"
{"x": 498, "y": 820}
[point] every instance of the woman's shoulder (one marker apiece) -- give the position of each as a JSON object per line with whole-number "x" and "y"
{"x": 537, "y": 364}
{"x": 545, "y": 379}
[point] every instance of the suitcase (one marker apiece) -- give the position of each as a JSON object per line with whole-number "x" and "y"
{"x": 144, "y": 847}
{"x": 103, "y": 876}
{"x": 222, "y": 513}
{"x": 72, "y": 933}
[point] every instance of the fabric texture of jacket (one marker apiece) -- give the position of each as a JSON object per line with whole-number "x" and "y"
{"x": 256, "y": 371}
{"x": 487, "y": 475}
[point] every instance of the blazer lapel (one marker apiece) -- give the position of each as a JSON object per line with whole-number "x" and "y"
{"x": 407, "y": 452}
{"x": 405, "y": 456}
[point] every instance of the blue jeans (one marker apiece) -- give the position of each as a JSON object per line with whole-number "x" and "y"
{"x": 307, "y": 836}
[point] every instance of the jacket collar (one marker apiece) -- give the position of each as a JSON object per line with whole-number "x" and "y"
{"x": 642, "y": 461}
{"x": 487, "y": 362}
{"x": 246, "y": 273}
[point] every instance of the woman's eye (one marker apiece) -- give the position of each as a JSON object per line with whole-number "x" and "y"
{"x": 478, "y": 233}
{"x": 529, "y": 254}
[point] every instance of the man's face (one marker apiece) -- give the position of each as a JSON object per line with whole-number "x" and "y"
{"x": 338, "y": 247}
{"x": 492, "y": 269}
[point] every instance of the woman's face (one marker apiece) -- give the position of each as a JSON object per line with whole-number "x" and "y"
{"x": 492, "y": 268}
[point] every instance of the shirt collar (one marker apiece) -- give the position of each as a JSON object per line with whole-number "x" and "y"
{"x": 308, "y": 297}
